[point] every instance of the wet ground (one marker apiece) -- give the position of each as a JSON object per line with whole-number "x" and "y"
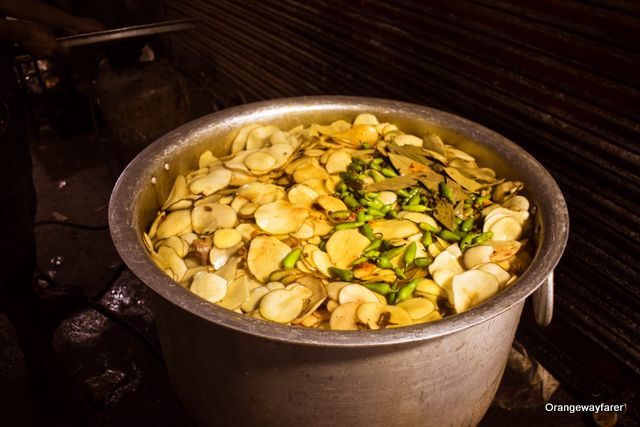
{"x": 107, "y": 337}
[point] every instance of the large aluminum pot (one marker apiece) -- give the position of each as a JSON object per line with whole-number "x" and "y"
{"x": 230, "y": 369}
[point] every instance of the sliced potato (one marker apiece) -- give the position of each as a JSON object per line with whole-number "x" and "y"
{"x": 377, "y": 315}
{"x": 357, "y": 135}
{"x": 330, "y": 203}
{"x": 318, "y": 296}
{"x": 255, "y": 295}
{"x": 418, "y": 218}
{"x": 209, "y": 286}
{"x": 338, "y": 161}
{"x": 356, "y": 293}
{"x": 178, "y": 192}
{"x": 471, "y": 288}
{"x": 345, "y": 246}
{"x": 477, "y": 255}
{"x": 209, "y": 184}
{"x": 501, "y": 274}
{"x": 207, "y": 159}
{"x": 280, "y": 217}
{"x": 417, "y": 307}
{"x": 237, "y": 293}
{"x": 344, "y": 317}
{"x": 334, "y": 288}
{"x": 174, "y": 223}
{"x": 209, "y": 217}
{"x": 265, "y": 256}
{"x": 408, "y": 140}
{"x": 394, "y": 228}
{"x": 302, "y": 195}
{"x": 281, "y": 305}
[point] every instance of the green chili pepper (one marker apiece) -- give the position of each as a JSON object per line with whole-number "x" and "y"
{"x": 388, "y": 172}
{"x": 351, "y": 202}
{"x": 410, "y": 253}
{"x": 415, "y": 208}
{"x": 349, "y": 225}
{"x": 375, "y": 244}
{"x": 372, "y": 254}
{"x": 449, "y": 236}
{"x": 467, "y": 240}
{"x": 366, "y": 145}
{"x": 375, "y": 212}
{"x": 407, "y": 290}
{"x": 377, "y": 176}
{"x": 379, "y": 287}
{"x": 414, "y": 200}
{"x": 427, "y": 227}
{"x": 427, "y": 239}
{"x": 403, "y": 193}
{"x": 391, "y": 298}
{"x": 376, "y": 163}
{"x": 340, "y": 214}
{"x": 399, "y": 272}
{"x": 413, "y": 192}
{"x": 342, "y": 274}
{"x": 291, "y": 278}
{"x": 393, "y": 252}
{"x": 360, "y": 260}
{"x": 290, "y": 260}
{"x": 367, "y": 231}
{"x": 386, "y": 208}
{"x": 384, "y": 263}
{"x": 356, "y": 164}
{"x": 446, "y": 191}
{"x": 374, "y": 203}
{"x": 278, "y": 275}
{"x": 483, "y": 238}
{"x": 372, "y": 195}
{"x": 341, "y": 187}
{"x": 459, "y": 233}
{"x": 423, "y": 261}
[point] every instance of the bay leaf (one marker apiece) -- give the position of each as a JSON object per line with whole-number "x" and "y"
{"x": 445, "y": 213}
{"x": 431, "y": 181}
{"x": 412, "y": 152}
{"x": 394, "y": 184}
{"x": 478, "y": 174}
{"x": 465, "y": 182}
{"x": 457, "y": 193}
{"x": 401, "y": 163}
{"x": 434, "y": 144}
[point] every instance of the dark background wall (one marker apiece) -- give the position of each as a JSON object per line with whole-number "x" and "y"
{"x": 560, "y": 78}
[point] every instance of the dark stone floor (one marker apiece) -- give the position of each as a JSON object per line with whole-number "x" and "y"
{"x": 107, "y": 336}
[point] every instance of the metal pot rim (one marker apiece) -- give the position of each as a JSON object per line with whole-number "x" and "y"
{"x": 130, "y": 247}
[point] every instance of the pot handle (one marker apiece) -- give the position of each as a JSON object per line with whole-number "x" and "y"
{"x": 543, "y": 302}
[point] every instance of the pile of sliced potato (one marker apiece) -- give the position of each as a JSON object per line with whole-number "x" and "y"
{"x": 344, "y": 226}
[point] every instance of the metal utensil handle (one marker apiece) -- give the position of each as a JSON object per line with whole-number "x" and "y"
{"x": 543, "y": 302}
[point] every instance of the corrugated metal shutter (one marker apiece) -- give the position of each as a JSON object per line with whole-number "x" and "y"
{"x": 559, "y": 78}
